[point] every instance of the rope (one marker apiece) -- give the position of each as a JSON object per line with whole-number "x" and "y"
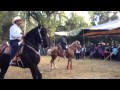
{"x": 110, "y": 55}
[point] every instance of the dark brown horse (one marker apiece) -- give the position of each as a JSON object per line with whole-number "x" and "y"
{"x": 57, "y": 51}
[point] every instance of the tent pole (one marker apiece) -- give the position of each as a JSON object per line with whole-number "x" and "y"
{"x": 84, "y": 43}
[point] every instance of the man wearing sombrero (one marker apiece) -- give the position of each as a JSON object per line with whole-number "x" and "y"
{"x": 15, "y": 35}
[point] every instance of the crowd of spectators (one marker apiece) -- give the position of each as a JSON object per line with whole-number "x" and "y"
{"x": 101, "y": 51}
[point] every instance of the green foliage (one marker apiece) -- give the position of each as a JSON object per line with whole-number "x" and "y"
{"x": 104, "y": 16}
{"x": 50, "y": 19}
{"x": 75, "y": 22}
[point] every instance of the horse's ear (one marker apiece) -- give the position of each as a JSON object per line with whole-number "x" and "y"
{"x": 39, "y": 25}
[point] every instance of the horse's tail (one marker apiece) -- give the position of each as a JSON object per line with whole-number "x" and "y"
{"x": 49, "y": 51}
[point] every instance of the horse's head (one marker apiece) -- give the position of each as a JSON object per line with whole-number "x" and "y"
{"x": 42, "y": 36}
{"x": 37, "y": 35}
{"x": 77, "y": 44}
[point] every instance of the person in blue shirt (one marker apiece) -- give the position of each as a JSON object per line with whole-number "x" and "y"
{"x": 115, "y": 51}
{"x": 63, "y": 43}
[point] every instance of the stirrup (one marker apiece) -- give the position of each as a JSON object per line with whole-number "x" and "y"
{"x": 13, "y": 63}
{"x": 20, "y": 63}
{"x": 64, "y": 56}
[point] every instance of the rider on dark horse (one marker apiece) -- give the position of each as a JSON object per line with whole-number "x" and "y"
{"x": 63, "y": 43}
{"x": 15, "y": 38}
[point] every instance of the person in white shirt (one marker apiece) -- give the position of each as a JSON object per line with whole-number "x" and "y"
{"x": 15, "y": 35}
{"x": 83, "y": 51}
{"x": 78, "y": 51}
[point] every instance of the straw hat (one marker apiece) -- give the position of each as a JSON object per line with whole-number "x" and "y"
{"x": 15, "y": 19}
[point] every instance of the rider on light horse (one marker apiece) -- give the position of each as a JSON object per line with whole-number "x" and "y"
{"x": 63, "y": 44}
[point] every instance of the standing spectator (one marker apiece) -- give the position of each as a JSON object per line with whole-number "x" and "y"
{"x": 107, "y": 52}
{"x": 78, "y": 51}
{"x": 114, "y": 50}
{"x": 83, "y": 51}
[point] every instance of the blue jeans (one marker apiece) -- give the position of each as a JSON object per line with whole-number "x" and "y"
{"x": 14, "y": 47}
{"x": 77, "y": 56}
{"x": 63, "y": 47}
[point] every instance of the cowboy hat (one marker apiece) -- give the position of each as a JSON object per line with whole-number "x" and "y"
{"x": 15, "y": 19}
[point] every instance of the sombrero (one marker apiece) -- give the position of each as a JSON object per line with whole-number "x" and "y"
{"x": 15, "y": 19}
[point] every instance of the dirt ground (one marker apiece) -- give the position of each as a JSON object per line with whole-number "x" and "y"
{"x": 82, "y": 69}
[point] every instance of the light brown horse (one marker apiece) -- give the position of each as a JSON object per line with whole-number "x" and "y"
{"x": 57, "y": 51}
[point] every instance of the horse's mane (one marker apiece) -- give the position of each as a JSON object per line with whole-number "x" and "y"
{"x": 31, "y": 38}
{"x": 30, "y": 33}
{"x": 72, "y": 43}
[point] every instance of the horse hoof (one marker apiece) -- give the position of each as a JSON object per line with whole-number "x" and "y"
{"x": 56, "y": 67}
{"x": 41, "y": 71}
{"x": 52, "y": 68}
{"x": 67, "y": 68}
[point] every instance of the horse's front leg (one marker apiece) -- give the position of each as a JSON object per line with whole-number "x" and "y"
{"x": 3, "y": 70}
{"x": 68, "y": 65}
{"x": 4, "y": 65}
{"x": 71, "y": 64}
{"x": 39, "y": 74}
{"x": 35, "y": 72}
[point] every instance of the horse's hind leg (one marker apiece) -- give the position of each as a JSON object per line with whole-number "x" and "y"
{"x": 52, "y": 62}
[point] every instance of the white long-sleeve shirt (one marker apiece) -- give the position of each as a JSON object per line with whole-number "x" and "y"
{"x": 78, "y": 51}
{"x": 83, "y": 49}
{"x": 15, "y": 32}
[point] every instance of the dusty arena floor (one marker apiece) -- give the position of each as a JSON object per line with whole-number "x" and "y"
{"x": 82, "y": 69}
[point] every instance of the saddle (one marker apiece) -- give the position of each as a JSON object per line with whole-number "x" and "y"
{"x": 59, "y": 47}
{"x": 3, "y": 49}
{"x": 61, "y": 50}
{"x": 6, "y": 49}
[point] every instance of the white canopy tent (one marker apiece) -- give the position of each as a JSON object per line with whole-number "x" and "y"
{"x": 109, "y": 25}
{"x": 66, "y": 33}
{"x": 61, "y": 33}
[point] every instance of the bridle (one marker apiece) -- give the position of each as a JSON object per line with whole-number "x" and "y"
{"x": 39, "y": 30}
